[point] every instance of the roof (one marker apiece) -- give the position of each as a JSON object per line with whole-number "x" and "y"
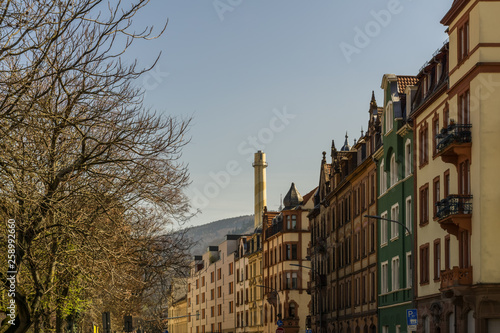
{"x": 309, "y": 195}
{"x": 292, "y": 198}
{"x": 405, "y": 80}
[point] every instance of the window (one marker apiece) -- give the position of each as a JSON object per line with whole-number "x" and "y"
{"x": 424, "y": 204}
{"x": 409, "y": 271}
{"x": 394, "y": 226}
{"x": 219, "y": 291}
{"x": 389, "y": 115}
{"x": 464, "y": 178}
{"x": 212, "y": 294}
{"x": 447, "y": 252}
{"x": 202, "y": 313}
{"x": 291, "y": 251}
{"x": 408, "y": 158}
{"x": 408, "y": 214}
{"x": 212, "y": 311}
{"x": 231, "y": 288}
{"x": 384, "y": 278}
{"x": 203, "y": 297}
{"x": 394, "y": 170}
{"x": 294, "y": 281}
{"x": 230, "y": 268}
{"x": 294, "y": 221}
{"x": 385, "y": 329}
{"x": 424, "y": 264}
{"x": 372, "y": 287}
{"x": 446, "y": 183}
{"x": 435, "y": 132}
{"x": 383, "y": 178}
{"x": 463, "y": 41}
{"x": 464, "y": 108}
{"x": 219, "y": 274}
{"x": 219, "y": 310}
{"x": 212, "y": 277}
{"x": 437, "y": 259}
{"x": 436, "y": 195}
{"x": 446, "y": 116}
{"x": 383, "y": 229}
{"x": 395, "y": 273}
{"x": 197, "y": 299}
{"x": 424, "y": 145}
{"x": 464, "y": 245}
{"x": 451, "y": 323}
{"x": 291, "y": 310}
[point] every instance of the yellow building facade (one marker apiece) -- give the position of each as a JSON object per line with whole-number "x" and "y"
{"x": 455, "y": 114}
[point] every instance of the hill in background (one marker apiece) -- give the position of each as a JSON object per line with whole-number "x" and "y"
{"x": 213, "y": 233}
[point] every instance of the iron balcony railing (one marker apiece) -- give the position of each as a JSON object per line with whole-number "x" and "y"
{"x": 274, "y": 229}
{"x": 454, "y": 204}
{"x": 454, "y": 133}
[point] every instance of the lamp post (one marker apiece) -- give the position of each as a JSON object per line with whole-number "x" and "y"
{"x": 320, "y": 307}
{"x": 411, "y": 252}
{"x": 278, "y": 315}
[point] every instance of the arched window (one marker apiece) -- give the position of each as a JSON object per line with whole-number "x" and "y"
{"x": 427, "y": 324}
{"x": 394, "y": 170}
{"x": 291, "y": 310}
{"x": 383, "y": 178}
{"x": 408, "y": 167}
{"x": 389, "y": 117}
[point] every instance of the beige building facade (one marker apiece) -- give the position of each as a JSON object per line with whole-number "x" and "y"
{"x": 286, "y": 238}
{"x": 455, "y": 114}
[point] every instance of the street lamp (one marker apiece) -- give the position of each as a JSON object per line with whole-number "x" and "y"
{"x": 278, "y": 315}
{"x": 320, "y": 308}
{"x": 411, "y": 251}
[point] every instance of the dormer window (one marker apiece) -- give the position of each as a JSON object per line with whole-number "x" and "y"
{"x": 439, "y": 72}
{"x": 389, "y": 117}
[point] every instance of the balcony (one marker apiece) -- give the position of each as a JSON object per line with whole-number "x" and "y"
{"x": 454, "y": 212}
{"x": 454, "y": 141}
{"x": 456, "y": 277}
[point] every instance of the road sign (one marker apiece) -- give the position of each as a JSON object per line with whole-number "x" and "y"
{"x": 279, "y": 323}
{"x": 411, "y": 317}
{"x": 280, "y": 330}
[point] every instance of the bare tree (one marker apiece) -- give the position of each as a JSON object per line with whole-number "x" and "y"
{"x": 90, "y": 176}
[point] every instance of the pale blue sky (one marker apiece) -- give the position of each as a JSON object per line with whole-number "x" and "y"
{"x": 275, "y": 71}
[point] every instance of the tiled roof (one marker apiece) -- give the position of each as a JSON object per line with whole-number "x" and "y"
{"x": 404, "y": 81}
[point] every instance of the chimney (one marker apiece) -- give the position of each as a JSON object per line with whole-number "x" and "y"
{"x": 260, "y": 199}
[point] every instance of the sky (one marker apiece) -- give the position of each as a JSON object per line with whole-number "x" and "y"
{"x": 283, "y": 76}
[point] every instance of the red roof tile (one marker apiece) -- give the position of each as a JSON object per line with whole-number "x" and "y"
{"x": 404, "y": 81}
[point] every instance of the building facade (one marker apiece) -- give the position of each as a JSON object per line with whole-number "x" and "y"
{"x": 395, "y": 202}
{"x": 456, "y": 141}
{"x": 343, "y": 247}
{"x": 210, "y": 297}
{"x": 286, "y": 238}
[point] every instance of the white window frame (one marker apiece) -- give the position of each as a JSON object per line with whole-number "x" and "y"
{"x": 389, "y": 117}
{"x": 384, "y": 277}
{"x": 383, "y": 178}
{"x": 383, "y": 229}
{"x": 408, "y": 214}
{"x": 409, "y": 271}
{"x": 408, "y": 157}
{"x": 395, "y": 274}
{"x": 394, "y": 226}
{"x": 393, "y": 170}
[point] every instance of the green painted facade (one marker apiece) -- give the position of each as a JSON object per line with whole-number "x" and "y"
{"x": 395, "y": 202}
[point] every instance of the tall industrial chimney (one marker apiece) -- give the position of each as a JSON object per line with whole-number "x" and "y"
{"x": 259, "y": 166}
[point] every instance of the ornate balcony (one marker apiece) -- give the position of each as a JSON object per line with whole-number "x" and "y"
{"x": 456, "y": 277}
{"x": 454, "y": 212}
{"x": 454, "y": 140}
